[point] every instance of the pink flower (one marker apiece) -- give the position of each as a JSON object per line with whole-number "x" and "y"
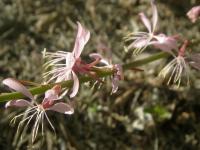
{"x": 143, "y": 39}
{"x": 194, "y": 13}
{"x": 73, "y": 63}
{"x": 177, "y": 68}
{"x": 34, "y": 109}
{"x": 165, "y": 43}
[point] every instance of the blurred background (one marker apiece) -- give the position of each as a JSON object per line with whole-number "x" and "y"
{"x": 144, "y": 114}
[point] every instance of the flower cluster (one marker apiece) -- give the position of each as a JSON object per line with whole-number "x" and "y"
{"x": 73, "y": 64}
{"x": 179, "y": 66}
{"x": 61, "y": 66}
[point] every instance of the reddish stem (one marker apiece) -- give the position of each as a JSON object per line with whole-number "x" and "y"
{"x": 183, "y": 47}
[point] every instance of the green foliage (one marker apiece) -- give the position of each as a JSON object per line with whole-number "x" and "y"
{"x": 160, "y": 113}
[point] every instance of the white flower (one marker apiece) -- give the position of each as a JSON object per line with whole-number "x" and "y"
{"x": 177, "y": 68}
{"x": 66, "y": 65}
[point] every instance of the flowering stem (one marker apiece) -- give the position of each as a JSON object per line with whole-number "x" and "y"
{"x": 101, "y": 72}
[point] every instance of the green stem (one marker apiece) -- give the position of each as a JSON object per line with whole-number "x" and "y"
{"x": 101, "y": 72}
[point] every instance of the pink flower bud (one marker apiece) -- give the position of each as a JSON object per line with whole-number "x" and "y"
{"x": 194, "y": 13}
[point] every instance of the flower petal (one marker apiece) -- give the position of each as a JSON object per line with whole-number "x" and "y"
{"x": 146, "y": 21}
{"x": 50, "y": 96}
{"x": 75, "y": 85}
{"x": 163, "y": 46}
{"x": 82, "y": 38}
{"x": 115, "y": 82}
{"x": 118, "y": 75}
{"x": 53, "y": 93}
{"x": 17, "y": 86}
{"x": 18, "y": 103}
{"x": 62, "y": 108}
{"x": 64, "y": 76}
{"x": 70, "y": 60}
{"x": 165, "y": 43}
{"x": 119, "y": 72}
{"x": 155, "y": 15}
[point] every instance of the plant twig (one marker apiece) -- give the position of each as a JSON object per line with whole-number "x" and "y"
{"x": 101, "y": 72}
